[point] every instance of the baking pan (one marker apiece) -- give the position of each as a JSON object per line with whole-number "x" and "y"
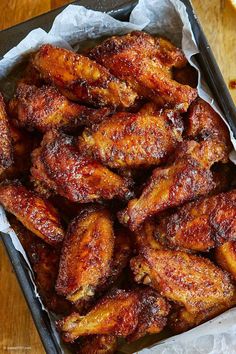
{"x": 119, "y": 9}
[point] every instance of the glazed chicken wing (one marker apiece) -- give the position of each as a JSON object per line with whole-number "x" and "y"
{"x": 131, "y": 140}
{"x": 44, "y": 260}
{"x": 201, "y": 225}
{"x": 82, "y": 79}
{"x": 120, "y": 314}
{"x": 34, "y": 212}
{"x": 45, "y": 108}
{"x": 98, "y": 344}
{"x": 144, "y": 63}
{"x": 189, "y": 280}
{"x": 6, "y": 153}
{"x": 184, "y": 179}
{"x": 86, "y": 255}
{"x": 60, "y": 167}
{"x": 225, "y": 256}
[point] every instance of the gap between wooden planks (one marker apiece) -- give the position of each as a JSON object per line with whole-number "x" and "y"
{"x": 218, "y": 19}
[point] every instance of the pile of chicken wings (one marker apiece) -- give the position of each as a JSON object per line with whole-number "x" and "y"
{"x": 116, "y": 178}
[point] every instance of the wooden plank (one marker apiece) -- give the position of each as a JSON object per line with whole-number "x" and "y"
{"x": 16, "y": 11}
{"x": 218, "y": 19}
{"x": 18, "y": 334}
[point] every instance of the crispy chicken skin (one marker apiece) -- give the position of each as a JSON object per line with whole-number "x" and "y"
{"x": 144, "y": 63}
{"x": 225, "y": 257}
{"x": 82, "y": 79}
{"x": 34, "y": 212}
{"x": 23, "y": 144}
{"x": 45, "y": 108}
{"x": 186, "y": 178}
{"x": 131, "y": 140}
{"x": 123, "y": 313}
{"x": 189, "y": 280}
{"x": 98, "y": 344}
{"x": 202, "y": 224}
{"x": 60, "y": 167}
{"x": 204, "y": 123}
{"x": 6, "y": 153}
{"x": 86, "y": 255}
{"x": 44, "y": 260}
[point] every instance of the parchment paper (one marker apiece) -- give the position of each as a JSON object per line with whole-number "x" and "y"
{"x": 164, "y": 17}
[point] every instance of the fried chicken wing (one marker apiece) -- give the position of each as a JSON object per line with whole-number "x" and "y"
{"x": 45, "y": 108}
{"x": 82, "y": 79}
{"x": 98, "y": 344}
{"x": 202, "y": 224}
{"x": 44, "y": 260}
{"x": 144, "y": 63}
{"x": 34, "y": 212}
{"x": 205, "y": 124}
{"x": 184, "y": 179}
{"x": 23, "y": 144}
{"x": 86, "y": 255}
{"x": 60, "y": 167}
{"x": 225, "y": 256}
{"x": 121, "y": 314}
{"x": 189, "y": 280}
{"x": 131, "y": 140}
{"x": 6, "y": 153}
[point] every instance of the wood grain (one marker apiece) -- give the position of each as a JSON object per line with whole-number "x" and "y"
{"x": 17, "y": 332}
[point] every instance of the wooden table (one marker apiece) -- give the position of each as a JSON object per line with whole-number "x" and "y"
{"x": 17, "y": 332}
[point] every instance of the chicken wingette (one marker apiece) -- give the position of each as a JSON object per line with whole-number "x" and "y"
{"x": 44, "y": 260}
{"x": 59, "y": 166}
{"x": 6, "y": 150}
{"x": 86, "y": 255}
{"x": 82, "y": 79}
{"x": 202, "y": 224}
{"x": 144, "y": 63}
{"x": 132, "y": 140}
{"x": 34, "y": 212}
{"x": 186, "y": 178}
{"x": 45, "y": 108}
{"x": 130, "y": 314}
{"x": 225, "y": 257}
{"x": 189, "y": 280}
